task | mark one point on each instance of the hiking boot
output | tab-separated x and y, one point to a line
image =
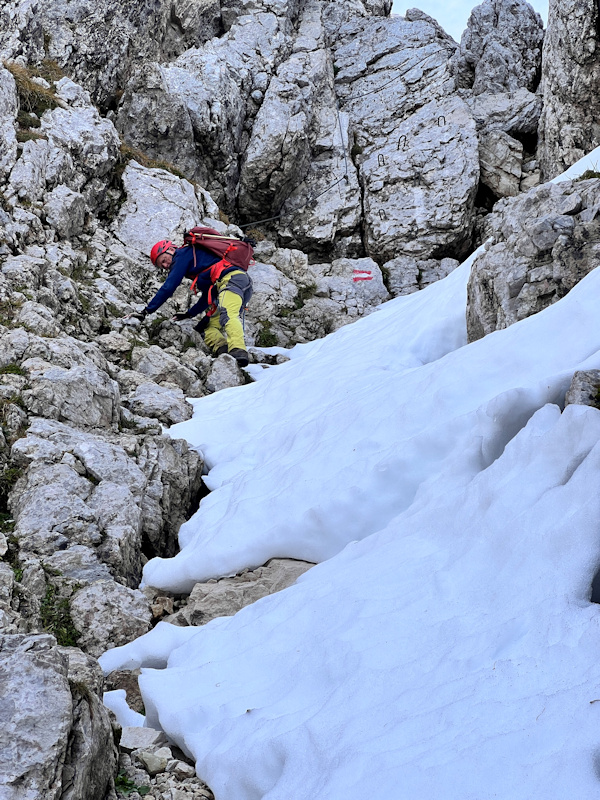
241	356
220	350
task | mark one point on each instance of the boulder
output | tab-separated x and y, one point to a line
407	275
38	319
90	140
65	211
500	159
159	206
109	615
163	367
167	404
515	112
419	189
225	597
92	755
224	374
82	395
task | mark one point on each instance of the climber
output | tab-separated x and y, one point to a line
225	291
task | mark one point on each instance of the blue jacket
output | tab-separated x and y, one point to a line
183	267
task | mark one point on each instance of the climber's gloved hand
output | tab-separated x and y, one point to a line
180	317
139	315
249	240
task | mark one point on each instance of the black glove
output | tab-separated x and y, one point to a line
249	240
141	315
179	317
201	326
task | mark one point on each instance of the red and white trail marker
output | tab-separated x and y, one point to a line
362	275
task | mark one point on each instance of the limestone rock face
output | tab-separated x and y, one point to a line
159	206
515	112
569	126
543	243
8	113
77	32
56	737
500	49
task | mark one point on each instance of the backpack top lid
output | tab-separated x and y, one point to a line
234	251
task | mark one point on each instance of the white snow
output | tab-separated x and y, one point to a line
126	717
446	648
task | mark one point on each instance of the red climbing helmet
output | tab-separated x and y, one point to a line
160	248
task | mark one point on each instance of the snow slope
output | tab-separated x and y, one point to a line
447	648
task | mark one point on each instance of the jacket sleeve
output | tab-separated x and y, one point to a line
176	275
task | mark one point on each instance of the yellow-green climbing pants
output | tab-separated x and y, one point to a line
225	326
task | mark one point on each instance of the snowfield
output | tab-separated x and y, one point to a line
446	647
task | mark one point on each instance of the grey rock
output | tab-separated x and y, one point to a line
56	738
515	112
38	319
500	158
584	388
151	30
140	738
159	206
227	596
90	140
109	615
8	113
569	125
153	763
162	367
28	176
78	564
37	712
224	374
500	51
65	211
419	201
82	395
174	473
407	275
92	756
542	244
167	404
